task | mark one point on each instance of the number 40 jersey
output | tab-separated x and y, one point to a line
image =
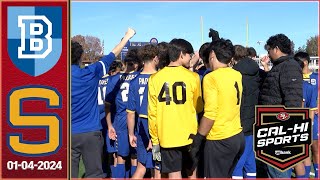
174	97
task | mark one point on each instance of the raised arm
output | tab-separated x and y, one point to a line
129	34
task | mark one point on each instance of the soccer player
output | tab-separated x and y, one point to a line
138	87
312	79
174	99
87	139
115	67
220	124
204	55
116	103
249	69
163	55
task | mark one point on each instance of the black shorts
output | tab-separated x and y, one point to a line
221	156
175	159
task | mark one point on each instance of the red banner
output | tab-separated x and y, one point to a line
34	89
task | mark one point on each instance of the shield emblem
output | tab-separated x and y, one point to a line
34	37
282	137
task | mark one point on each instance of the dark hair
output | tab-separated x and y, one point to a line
300	62
147	52
224	50
114	65
163	55
280	40
178	46
204	52
76	53
303	56
251	52
214	35
240	52
133	58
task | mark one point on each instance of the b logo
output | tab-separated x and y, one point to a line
34	38
35	29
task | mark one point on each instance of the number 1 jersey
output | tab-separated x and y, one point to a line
138	96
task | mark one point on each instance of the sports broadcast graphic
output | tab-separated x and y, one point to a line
34	72
282	136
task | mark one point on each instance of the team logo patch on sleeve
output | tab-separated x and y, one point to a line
34	37
282	137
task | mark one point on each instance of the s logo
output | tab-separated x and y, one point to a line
34	38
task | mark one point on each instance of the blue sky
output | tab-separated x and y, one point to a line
167	20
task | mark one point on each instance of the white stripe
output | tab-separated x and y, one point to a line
251	174
103	67
237	177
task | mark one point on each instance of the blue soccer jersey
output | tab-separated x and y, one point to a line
310	95
84	85
137	94
310	98
117	96
311	78
102	88
138	103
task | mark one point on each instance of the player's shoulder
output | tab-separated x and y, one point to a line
221	73
115	76
195	75
135	78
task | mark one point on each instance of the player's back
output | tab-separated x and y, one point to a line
117	95
138	100
222	91
311	78
177	94
310	95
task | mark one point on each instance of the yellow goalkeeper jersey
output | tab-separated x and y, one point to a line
222	92
174	99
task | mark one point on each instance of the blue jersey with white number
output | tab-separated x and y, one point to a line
102	88
138	87
84	92
117	96
311	78
137	94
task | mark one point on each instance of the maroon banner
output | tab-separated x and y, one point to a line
34	89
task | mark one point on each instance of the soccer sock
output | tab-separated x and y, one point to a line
315	166
301	176
120	171
133	170
127	172
308	170
113	171
290	171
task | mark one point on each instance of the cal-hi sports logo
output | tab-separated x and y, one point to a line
34	37
282	136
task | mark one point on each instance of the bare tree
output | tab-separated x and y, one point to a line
92	47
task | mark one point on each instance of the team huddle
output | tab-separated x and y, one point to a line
167	111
